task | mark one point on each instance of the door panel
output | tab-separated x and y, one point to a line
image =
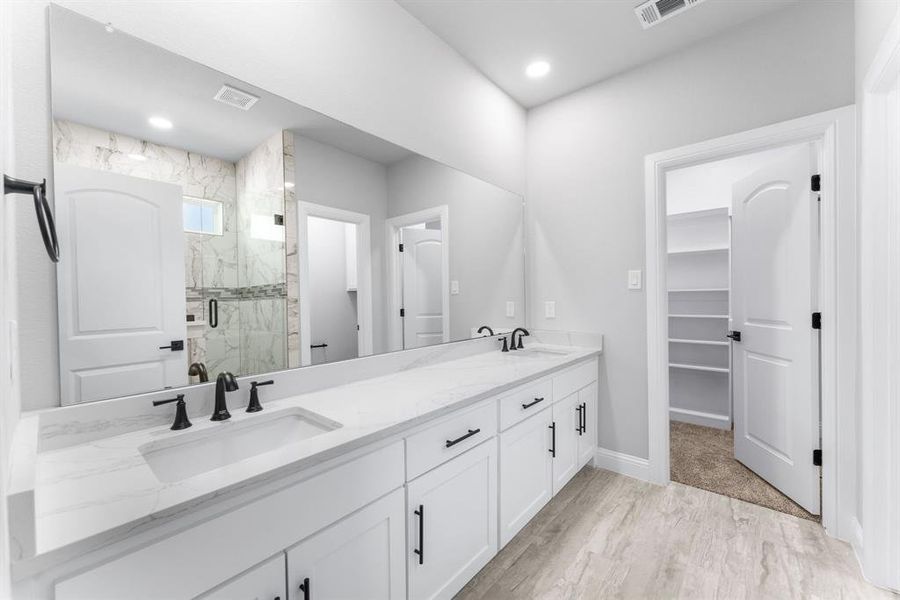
565	419
263	582
121	286
526	473
358	558
422	288
587	438
775	365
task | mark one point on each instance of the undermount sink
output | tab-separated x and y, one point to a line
192	453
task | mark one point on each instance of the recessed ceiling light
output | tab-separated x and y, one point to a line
289	184
538	68
139	157
109	28
160	122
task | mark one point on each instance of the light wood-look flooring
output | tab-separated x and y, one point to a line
608	536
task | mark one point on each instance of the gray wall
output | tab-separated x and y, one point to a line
485	237
332	177
585	168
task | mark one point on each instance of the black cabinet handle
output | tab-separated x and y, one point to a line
421	549
213	313
553	438
583	417
530	404
304	587
578	409
462	437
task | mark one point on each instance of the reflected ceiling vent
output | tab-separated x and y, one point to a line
654	12
235	97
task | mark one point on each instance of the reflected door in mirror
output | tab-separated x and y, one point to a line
121	287
422	287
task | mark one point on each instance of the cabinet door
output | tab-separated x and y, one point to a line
565	432
587	439
526	472
452	523
360	557
263	582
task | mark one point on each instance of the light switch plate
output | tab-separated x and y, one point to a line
634	280
550	309
454	287
510	308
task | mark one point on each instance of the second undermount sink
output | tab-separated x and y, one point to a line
192	453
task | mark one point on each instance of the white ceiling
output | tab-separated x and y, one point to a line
584	40
115	82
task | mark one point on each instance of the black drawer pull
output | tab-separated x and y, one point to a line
530	404
462	437
579	427
421	549
304	587
583	417
553	444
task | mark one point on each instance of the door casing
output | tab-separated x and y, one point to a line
835	130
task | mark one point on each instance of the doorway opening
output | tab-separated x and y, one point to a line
743	359
763	378
334	284
419	279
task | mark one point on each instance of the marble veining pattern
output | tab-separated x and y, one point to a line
94	493
292	253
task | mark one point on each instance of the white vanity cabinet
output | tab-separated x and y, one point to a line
359	558
452	523
526	472
263	582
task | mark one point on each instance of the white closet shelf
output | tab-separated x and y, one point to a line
671	316
694	251
698	368
697	290
698	342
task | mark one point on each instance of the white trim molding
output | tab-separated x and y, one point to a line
363	266
699	417
835	130
393	226
879	417
623	464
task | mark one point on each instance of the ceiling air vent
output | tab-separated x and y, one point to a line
235	97
654	12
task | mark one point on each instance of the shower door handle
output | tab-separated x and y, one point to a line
213	313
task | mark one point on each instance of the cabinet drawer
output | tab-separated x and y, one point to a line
439	443
263	582
525	401
570	381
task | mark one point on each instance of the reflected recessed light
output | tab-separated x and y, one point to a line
140	157
538	68
109	28
289	184
160	122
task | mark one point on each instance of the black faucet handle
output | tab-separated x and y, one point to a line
181	418
505	344
254	405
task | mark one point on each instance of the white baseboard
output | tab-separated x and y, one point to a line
697	417
624	464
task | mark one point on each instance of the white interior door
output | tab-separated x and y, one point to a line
121	284
423	323
775	364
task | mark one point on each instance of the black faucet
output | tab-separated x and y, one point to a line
254	405
198	369
520	346
485	327
505	344
225	382
181	418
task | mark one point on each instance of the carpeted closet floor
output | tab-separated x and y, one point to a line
703	457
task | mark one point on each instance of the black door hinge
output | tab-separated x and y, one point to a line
817	320
815	183
401	247
817	458
402	312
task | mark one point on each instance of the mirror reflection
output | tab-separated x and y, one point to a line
208	226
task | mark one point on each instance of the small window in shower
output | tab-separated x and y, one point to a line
202	216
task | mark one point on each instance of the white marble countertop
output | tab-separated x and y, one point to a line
100	492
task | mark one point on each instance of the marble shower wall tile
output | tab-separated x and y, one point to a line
263	344
291	250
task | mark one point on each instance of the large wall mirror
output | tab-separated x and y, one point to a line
206	225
